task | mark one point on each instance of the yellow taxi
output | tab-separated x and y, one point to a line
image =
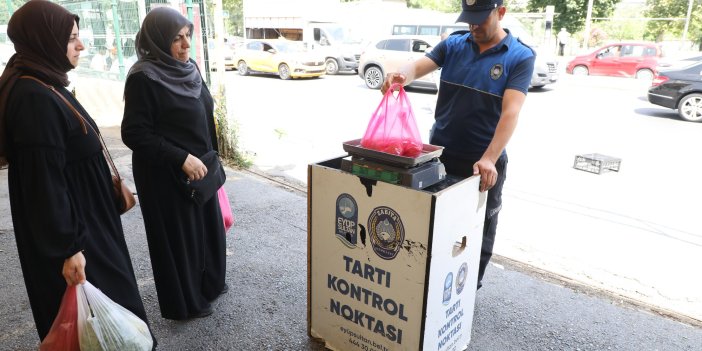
286	58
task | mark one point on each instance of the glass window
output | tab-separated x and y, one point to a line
649	51
633	50
428	30
398	45
401	29
419	46
380	45
256	45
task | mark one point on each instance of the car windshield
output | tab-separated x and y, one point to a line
289	47
341	35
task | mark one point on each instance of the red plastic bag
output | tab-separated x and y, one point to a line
392	128
227	214
63	335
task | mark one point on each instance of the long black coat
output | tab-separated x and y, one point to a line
62	202
187	242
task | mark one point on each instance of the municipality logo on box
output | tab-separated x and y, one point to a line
386	232
347	220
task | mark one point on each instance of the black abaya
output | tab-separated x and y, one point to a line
187	242
62	203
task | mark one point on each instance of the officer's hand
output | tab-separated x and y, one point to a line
488	173
391	79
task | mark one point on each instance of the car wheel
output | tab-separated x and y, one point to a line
644	74
242	68
373	77
284	71
690	108
580	71
332	66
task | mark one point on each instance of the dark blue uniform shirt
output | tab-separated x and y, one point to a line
472	85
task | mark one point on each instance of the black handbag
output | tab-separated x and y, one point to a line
201	191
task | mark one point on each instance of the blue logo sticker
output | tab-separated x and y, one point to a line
386	232
448	284
346	220
461	278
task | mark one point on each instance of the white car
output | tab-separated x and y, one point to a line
390	53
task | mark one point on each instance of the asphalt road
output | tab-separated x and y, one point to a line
634	232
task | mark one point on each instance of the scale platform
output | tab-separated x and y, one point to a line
418	177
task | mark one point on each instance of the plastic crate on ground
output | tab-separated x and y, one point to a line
596	163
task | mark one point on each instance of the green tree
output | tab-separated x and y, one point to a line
234	23
657	30
626	24
571	14
7	7
437	5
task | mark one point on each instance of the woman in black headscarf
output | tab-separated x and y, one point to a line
169	123
64	213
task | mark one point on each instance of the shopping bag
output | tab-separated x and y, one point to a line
105	325
392	128
225	207
63	335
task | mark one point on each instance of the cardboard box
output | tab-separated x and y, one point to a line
390	267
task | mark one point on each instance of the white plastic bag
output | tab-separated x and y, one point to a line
104	325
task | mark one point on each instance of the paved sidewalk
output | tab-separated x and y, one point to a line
265	309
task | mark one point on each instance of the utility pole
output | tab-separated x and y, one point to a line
687	22
549	25
588	19
218	38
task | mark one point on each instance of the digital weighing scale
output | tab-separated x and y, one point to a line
414	172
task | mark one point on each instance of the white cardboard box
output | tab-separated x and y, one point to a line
389	267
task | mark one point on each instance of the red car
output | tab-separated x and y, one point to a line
620	60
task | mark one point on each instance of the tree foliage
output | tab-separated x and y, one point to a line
437	5
571	14
234	23
658	29
8	7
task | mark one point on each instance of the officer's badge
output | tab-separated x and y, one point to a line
496	71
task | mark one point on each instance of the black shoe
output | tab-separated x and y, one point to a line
204	313
225	289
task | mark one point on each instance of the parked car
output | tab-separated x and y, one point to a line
636	59
228	59
545	64
286	58
678	62
679	89
390	53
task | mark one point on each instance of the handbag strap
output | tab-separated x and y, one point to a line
83	123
